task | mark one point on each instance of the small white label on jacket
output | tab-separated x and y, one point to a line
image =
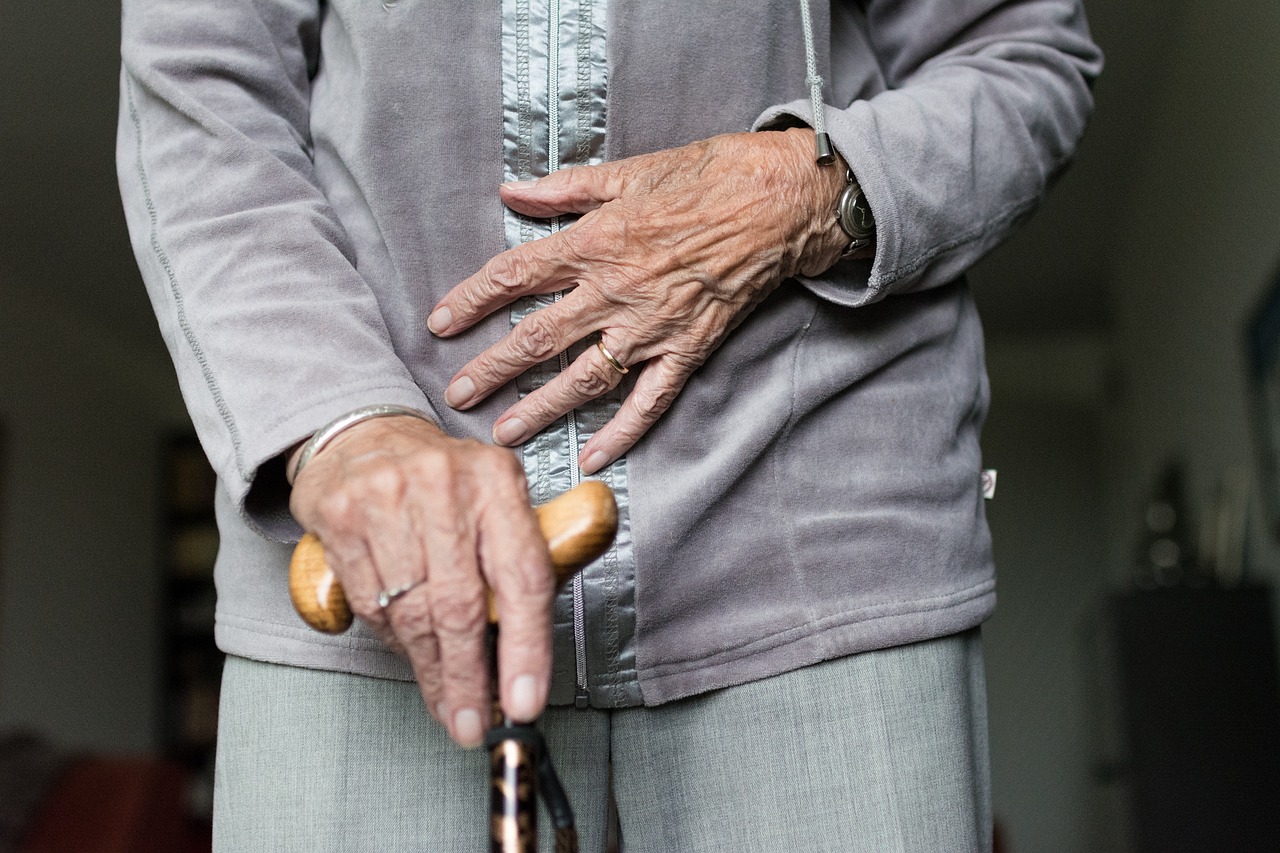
989	483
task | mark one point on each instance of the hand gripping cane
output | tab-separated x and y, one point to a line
579	526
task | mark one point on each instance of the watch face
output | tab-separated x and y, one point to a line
855	214
862	216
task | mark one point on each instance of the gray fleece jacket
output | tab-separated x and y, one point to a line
303	180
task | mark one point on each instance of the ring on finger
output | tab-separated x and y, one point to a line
387	596
611	358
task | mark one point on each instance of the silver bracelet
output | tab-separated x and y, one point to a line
330	431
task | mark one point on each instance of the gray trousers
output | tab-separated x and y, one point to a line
882	752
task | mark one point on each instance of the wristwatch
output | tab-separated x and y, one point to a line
855	216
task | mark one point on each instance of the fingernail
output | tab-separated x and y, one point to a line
524	698
460	392
509	431
440	320
520	185
466	727
595	462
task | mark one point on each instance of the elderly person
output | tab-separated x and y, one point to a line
486	249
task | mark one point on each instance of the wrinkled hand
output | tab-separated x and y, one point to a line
396	501
673	250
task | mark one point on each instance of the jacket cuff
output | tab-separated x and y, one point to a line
262	493
852	283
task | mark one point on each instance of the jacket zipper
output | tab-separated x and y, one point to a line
581	695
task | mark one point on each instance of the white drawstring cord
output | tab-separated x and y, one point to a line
826	154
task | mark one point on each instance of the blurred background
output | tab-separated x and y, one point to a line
1131	662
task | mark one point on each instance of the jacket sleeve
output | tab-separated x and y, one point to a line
985	101
271	328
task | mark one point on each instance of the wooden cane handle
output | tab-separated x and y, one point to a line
579	526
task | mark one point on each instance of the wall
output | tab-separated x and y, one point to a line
1044	437
85	391
78	570
1087	412
1201	239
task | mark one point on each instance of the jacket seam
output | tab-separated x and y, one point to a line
239	622
782	441
175	291
817	626
275	629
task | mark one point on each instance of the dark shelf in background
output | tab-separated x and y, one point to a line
1201	700
192	663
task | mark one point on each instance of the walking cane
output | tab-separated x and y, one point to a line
579	526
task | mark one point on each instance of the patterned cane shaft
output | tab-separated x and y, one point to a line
513	805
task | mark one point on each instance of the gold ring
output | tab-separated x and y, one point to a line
608	356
